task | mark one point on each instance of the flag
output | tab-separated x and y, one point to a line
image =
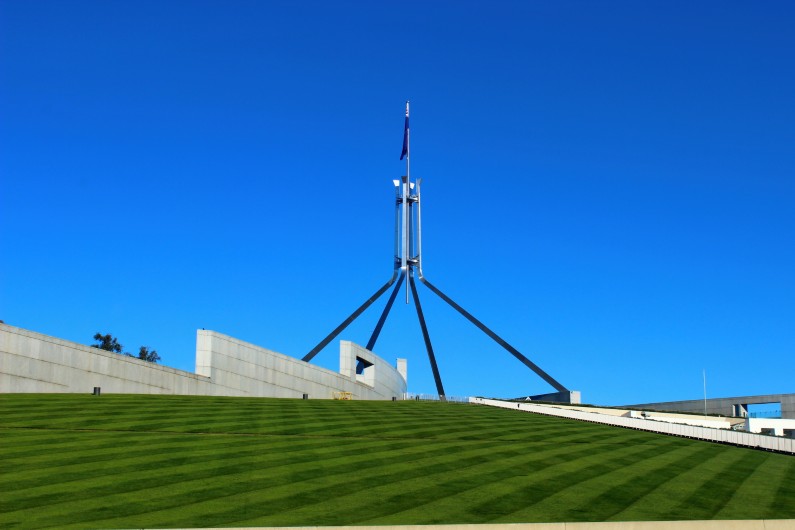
405	151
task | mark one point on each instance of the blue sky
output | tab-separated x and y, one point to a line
607	185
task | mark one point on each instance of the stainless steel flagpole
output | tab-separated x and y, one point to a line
406	211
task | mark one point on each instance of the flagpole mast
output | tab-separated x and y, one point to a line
407	263
408	143
406	209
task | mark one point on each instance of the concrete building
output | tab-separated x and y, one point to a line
31	362
730	406
771	426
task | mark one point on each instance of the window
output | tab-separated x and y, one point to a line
365	372
764	410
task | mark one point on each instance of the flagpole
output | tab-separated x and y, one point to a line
408	143
406	188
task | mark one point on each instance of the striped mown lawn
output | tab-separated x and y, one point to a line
177	461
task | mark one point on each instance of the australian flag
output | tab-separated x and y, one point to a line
405	151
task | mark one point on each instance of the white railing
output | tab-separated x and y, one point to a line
743	439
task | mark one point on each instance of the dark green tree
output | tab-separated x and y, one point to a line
107	343
146	355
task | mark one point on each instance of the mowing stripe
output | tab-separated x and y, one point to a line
684	479
785	496
719	488
210	459
601	497
138	476
244	479
760	488
534	490
476	496
425	486
175	461
286	488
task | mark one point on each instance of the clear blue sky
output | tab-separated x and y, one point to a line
608	185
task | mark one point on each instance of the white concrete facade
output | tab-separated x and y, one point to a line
238	368
31	362
775	426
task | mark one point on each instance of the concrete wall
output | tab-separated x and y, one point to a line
34	363
382	381
725	406
778	426
670	417
238	368
698	421
743	439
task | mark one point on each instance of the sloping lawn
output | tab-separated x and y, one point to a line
176	461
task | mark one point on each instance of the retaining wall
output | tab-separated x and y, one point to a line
744	439
31	362
238	368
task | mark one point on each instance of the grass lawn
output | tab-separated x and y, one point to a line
181	461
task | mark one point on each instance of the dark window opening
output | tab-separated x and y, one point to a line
365	371
361	365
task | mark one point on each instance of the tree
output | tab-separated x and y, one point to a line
146	355
107	343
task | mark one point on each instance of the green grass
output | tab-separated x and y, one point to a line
176	461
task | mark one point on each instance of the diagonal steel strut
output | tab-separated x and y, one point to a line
377	330
308	357
437	378
513	351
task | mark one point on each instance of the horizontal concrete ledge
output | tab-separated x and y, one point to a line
762	524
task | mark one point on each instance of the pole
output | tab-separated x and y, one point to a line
406	191
704	371
419	227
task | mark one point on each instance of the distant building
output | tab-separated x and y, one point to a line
731	406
